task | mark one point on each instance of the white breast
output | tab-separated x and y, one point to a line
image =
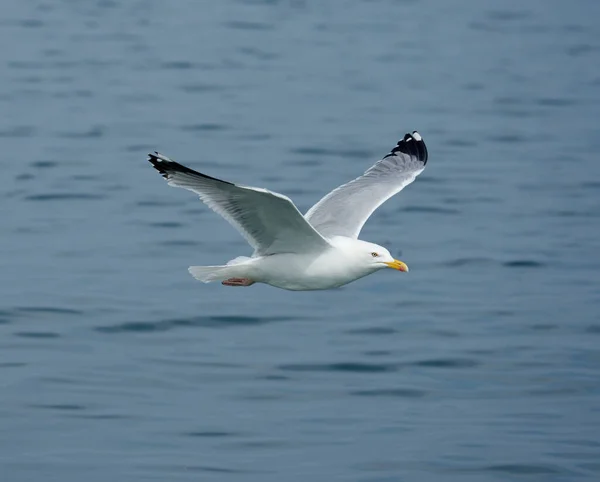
329	269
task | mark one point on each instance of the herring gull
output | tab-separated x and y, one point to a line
317	251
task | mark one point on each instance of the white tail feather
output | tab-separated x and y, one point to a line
208	274
232	269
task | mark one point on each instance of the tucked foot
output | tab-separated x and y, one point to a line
237	282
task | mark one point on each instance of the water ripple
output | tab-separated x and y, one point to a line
43	164
524	469
36	334
353	367
69	407
65	196
391	392
246	25
18	131
448	363
594	329
206	127
320	152
372	330
177	65
210	434
12	364
429	210
92	132
524	263
468	262
196	322
198	88
56	310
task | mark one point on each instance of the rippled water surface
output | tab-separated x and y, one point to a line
482	364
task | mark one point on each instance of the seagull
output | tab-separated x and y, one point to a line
317	251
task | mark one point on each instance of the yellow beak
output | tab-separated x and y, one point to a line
399	265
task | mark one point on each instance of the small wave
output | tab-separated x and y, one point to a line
165	224
468	262
43	164
60	406
18	131
258	54
212	469
355	367
180	242
447	363
305	163
523	263
391	392
177	65
142	148
156	202
200	88
313	151
198	322
24	177
210	434
65	196
507	138
581	49
101	416
461	142
523	469
508	15
12	364
6	317
189	469
372	330
245	25
554	102
37	334
326	152
92	132
208	127
49	310
429	209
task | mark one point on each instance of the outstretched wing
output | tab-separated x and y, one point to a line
269	221
344	211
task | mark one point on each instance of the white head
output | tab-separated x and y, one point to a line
370	256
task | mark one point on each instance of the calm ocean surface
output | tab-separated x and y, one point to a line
481	364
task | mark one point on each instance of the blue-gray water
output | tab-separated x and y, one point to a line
481	364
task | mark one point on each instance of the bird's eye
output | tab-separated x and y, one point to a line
375	255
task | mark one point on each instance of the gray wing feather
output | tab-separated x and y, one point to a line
344	211
269	221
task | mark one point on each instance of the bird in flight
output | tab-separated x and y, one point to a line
317	251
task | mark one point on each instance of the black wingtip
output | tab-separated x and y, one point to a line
161	164
168	168
412	145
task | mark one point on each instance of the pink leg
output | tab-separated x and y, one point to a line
237	282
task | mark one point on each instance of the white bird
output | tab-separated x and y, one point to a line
317	251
